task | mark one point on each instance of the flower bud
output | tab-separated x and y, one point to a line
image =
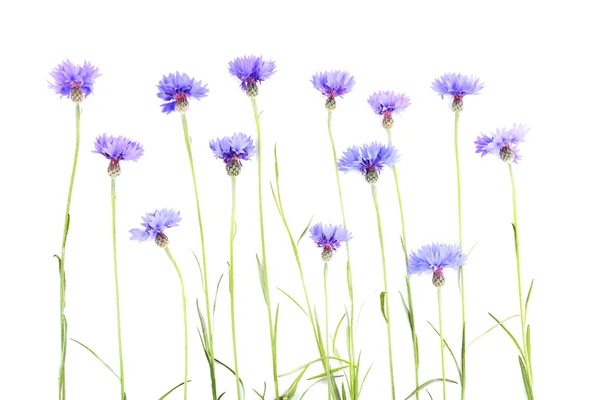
507	154
327	253
233	167
330	103
161	240
438	279
114	169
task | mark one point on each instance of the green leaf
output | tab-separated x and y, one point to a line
310	387
221	395
67	224
216	295
169	392
526	383
382	300
449	350
509	334
291	391
408	313
337	329
489	330
304	231
261	277
364	379
527	299
276	161
200	269
274	344
59	263
233	372
275	199
97	357
343	392
324	374
262	396
528	341
295	302
424	385
430	396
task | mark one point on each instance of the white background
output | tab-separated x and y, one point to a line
538	62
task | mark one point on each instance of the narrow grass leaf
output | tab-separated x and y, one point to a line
97	357
170	391
491	329
509	334
304	231
449	350
295	302
382	300
424	385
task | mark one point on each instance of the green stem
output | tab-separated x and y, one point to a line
522	314
113	197
210	349
62	393
185	325
353	372
385	288
329	386
263	250
442	347
407	277
461	272
232	288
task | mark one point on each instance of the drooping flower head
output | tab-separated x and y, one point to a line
176	88
74	81
434	258
233	149
387	103
368	159
251	70
116	149
332	84
154	225
329	237
504	143
457	86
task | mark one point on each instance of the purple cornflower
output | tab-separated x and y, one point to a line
329	237
457	86
434	258
503	143
175	90
251	70
154	224
116	149
386	103
233	149
369	159
332	84
74	81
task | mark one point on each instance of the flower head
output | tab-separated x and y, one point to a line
175	90
329	237
504	143
332	84
74	81
251	70
434	258
368	159
154	224
386	103
116	149
458	86
233	149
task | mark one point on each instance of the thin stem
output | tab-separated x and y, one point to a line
385	288
272	332
442	347
407	276
329	386
113	197
62	393
353	378
210	349
185	325
232	288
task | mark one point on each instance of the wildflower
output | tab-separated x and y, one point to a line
434	258
386	103
329	237
504	143
332	84
74	81
116	149
251	70
458	86
176	88
154	224
233	149
368	159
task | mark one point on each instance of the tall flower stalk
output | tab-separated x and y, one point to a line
232	150
116	149
251	71
458	86
74	82
386	104
175	90
154	225
370	160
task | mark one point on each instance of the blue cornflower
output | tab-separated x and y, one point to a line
386	103
251	70
332	84
369	159
503	143
116	149
233	149
74	81
329	237
175	90
434	258
154	224
457	86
